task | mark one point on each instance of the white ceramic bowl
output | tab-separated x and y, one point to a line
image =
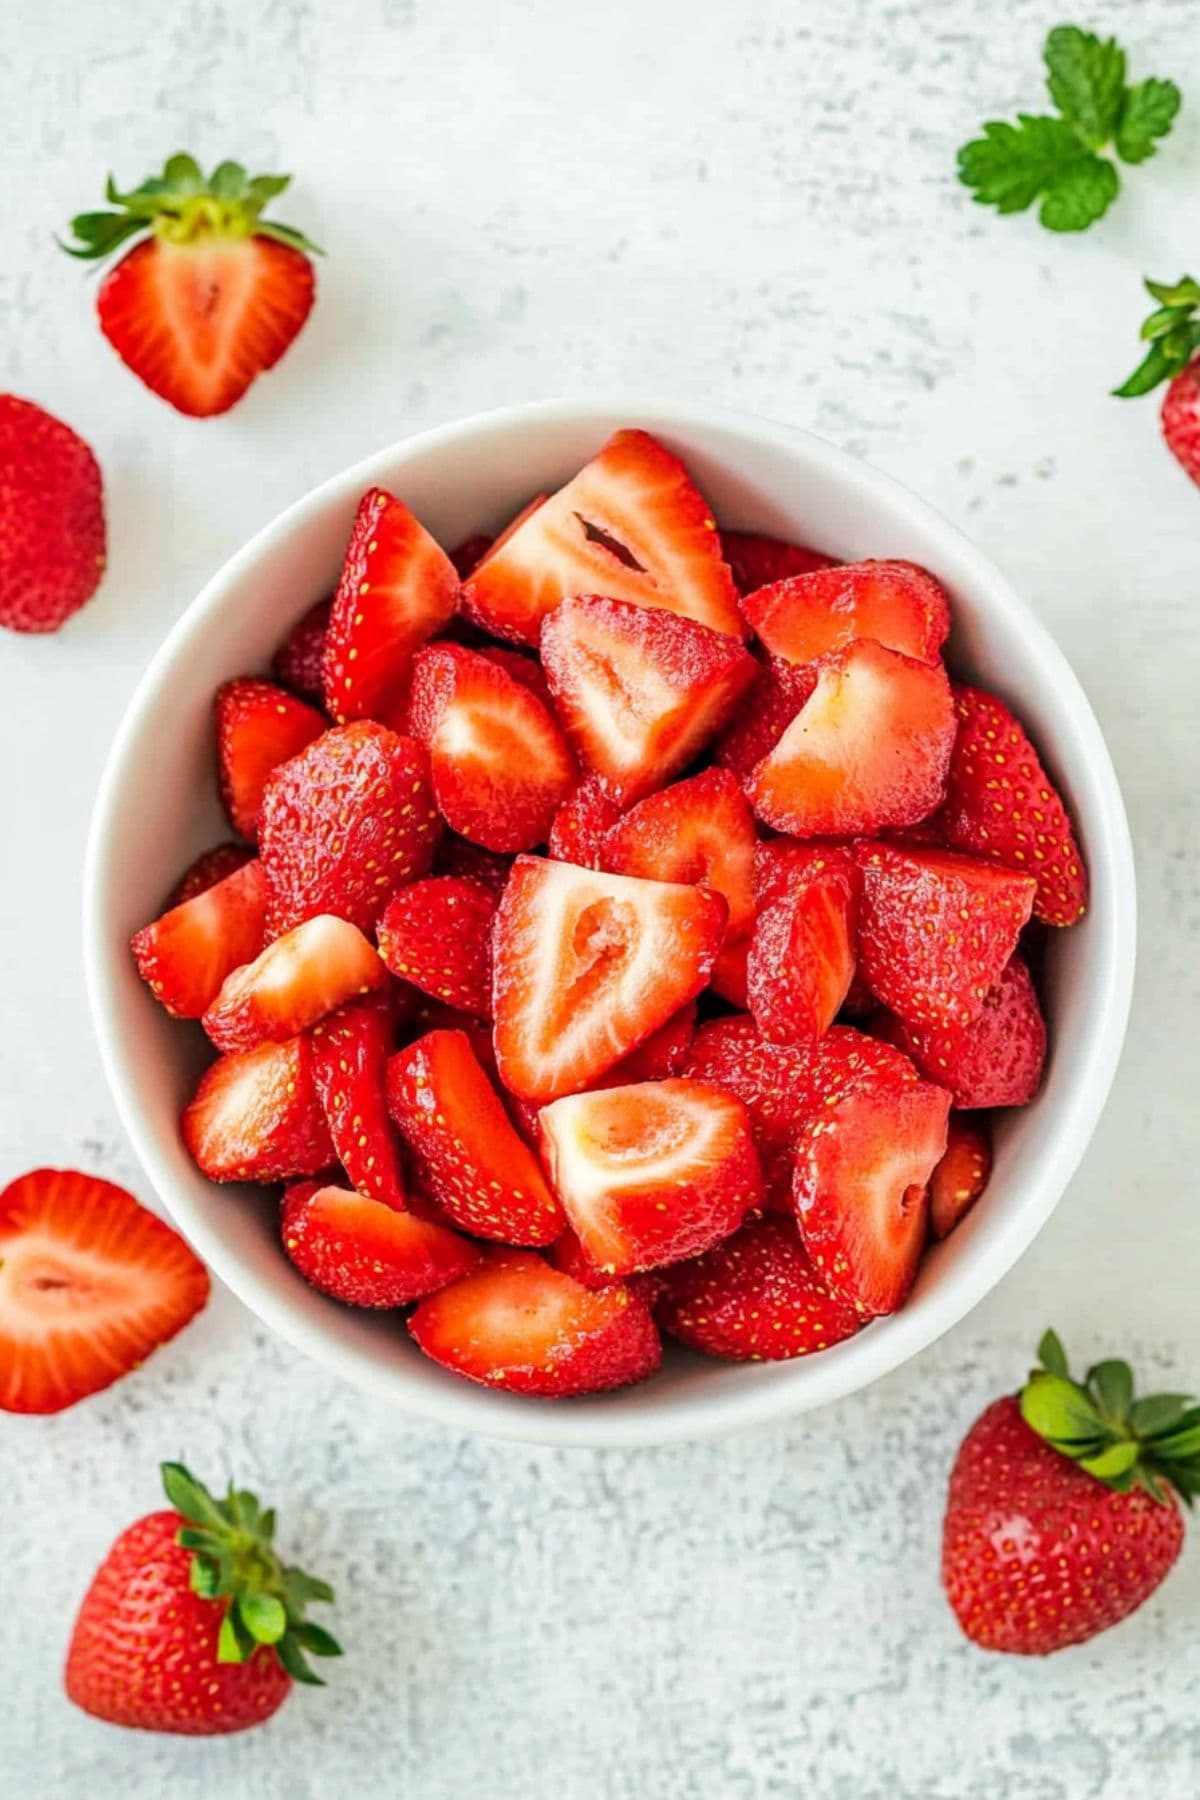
157	808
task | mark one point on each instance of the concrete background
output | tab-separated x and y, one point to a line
755	203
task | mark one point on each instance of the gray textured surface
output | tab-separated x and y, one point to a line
753	203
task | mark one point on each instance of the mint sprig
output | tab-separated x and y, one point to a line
1057	160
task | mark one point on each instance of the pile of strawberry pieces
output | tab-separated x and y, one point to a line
585	972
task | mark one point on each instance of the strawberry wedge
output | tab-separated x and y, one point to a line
185	956
257	1116
777	1084
631	524
581	824
437	934
293	983
803	946
365	1254
776	695
586	966
259	726
350	1050
700	832
997	1060
961	1175
809	615
755	561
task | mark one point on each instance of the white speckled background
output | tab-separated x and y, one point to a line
754	202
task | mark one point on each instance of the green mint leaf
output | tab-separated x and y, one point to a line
1111	1383
1086	79
1148	112
1011	165
1052	1356
1079	195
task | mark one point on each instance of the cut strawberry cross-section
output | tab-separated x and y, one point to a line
587	965
699	831
639	692
257	1116
364	1253
631	524
90	1284
755	1298
397	587
259	726
521	1325
775	1082
654	1172
501	766
350	1051
996	1060
294	982
936	929
778	692
808	615
467	1151
864	1156
803	946
756	561
869	748
186	955
438	935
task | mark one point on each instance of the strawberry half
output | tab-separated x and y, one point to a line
259	726
501	766
200	309
778	692
344	824
587	966
730	979
809	615
756	561
653	1172
581	824
299	662
350	1050
521	1325
639	692
90	1284
365	1254
869	748
997	1060
755	1298
257	1116
294	982
186	955
802	952
396	589
936	930
437	934
864	1156
700	832
775	1082
52	530
209	867
962	1174
631	524
1000	803
468	1153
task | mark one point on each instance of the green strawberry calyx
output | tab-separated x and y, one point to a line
182	206
1151	1443
234	1562
1172	332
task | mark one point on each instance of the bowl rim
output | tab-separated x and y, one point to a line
827	1378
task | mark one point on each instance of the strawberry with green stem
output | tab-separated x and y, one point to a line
1172	332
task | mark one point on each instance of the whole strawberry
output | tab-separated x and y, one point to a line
51	519
1062	1516
214	295
1173	333
192	1624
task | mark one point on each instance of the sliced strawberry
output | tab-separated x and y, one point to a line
515	523
775	1083
581	824
438	935
640	692
467	555
90	1284
699	831
962	1174
755	1298
501	766
350	1050
187	954
632	525
299	662
422	1015
864	1155
259	726
936	930
292	983
519	1324
365	1254
587	966
523	668
896	604
731	973
344	824
803	946
756	561
869	748
459	857
997	1060
209	867
653	1172
397	587
1000	803
467	1151
257	1116
778	692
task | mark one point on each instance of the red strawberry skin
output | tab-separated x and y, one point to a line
995	1061
299	662
775	1082
209	867
90	1284
259	726
756	561
257	1116
367	1254
437	934
582	823
1036	1553
1001	804
52	533
778	692
700	832
350	1050
185	956
144	1649
1181	419
961	1176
